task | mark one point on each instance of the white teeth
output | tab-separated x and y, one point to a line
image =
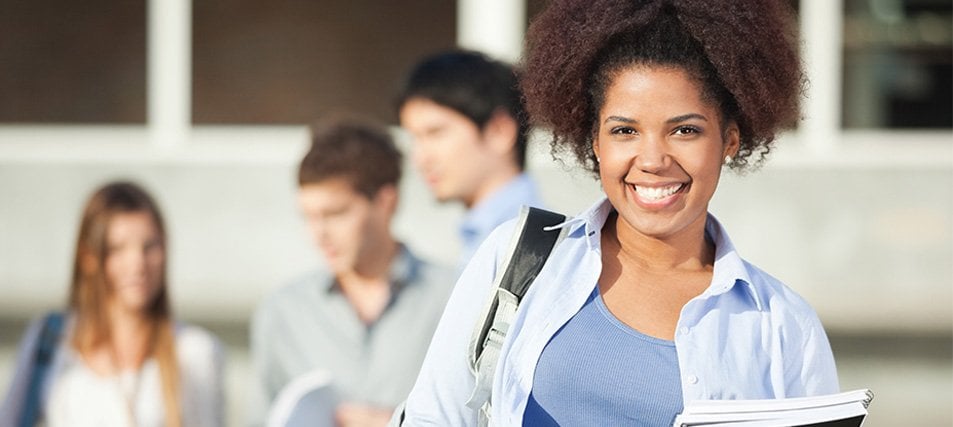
657	193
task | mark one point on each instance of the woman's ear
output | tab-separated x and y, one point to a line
732	140
594	134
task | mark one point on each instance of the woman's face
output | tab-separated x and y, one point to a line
135	260
660	149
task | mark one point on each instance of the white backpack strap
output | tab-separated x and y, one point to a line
485	366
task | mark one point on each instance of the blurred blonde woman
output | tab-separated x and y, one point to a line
120	359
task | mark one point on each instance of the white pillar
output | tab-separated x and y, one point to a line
494	27
169	76
822	23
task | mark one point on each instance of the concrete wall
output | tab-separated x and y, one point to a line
870	246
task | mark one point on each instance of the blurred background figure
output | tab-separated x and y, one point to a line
119	358
469	129
368	317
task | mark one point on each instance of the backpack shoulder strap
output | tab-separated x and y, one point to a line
532	248
42	359
532	245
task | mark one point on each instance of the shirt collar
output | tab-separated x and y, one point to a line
403	271
729	269
589	222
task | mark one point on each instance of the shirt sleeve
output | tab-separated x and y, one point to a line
445	382
817	372
20	384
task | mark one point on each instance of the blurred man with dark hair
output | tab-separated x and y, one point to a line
469	129
367	319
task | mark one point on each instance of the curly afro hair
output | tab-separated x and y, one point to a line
742	52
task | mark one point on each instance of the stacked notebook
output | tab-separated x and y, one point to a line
848	409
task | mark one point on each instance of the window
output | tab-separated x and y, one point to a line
287	62
72	61
897	64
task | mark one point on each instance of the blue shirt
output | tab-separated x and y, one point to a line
747	336
494	210
598	371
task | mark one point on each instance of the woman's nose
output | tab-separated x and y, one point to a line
652	155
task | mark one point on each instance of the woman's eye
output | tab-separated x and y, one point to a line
687	130
622	130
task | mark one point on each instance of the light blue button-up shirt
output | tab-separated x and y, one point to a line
747	336
503	204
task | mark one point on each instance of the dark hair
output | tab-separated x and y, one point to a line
473	85
353	148
742	52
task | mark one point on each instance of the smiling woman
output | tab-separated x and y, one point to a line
660	148
645	304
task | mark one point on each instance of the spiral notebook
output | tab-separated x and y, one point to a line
847	409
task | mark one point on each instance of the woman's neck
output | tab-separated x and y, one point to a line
131	334
685	251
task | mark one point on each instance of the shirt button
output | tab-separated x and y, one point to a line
684	330
692	379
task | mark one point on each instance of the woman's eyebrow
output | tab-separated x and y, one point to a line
676	119
620	119
685	117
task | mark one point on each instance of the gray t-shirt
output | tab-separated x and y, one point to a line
309	325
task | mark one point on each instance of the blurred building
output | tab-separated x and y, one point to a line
207	103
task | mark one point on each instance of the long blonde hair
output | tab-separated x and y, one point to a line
89	289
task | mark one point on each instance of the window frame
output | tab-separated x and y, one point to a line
170	136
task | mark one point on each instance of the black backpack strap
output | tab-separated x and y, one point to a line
529	251
532	249
533	244
42	360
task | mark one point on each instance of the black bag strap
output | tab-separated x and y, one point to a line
533	247
42	359
529	253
